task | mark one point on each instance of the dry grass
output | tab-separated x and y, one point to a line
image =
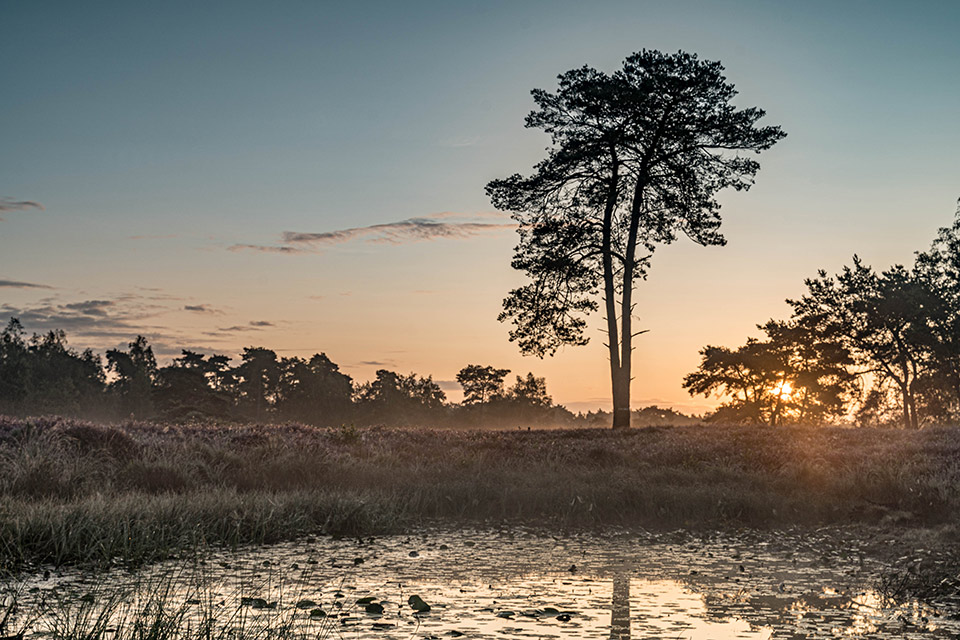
73	491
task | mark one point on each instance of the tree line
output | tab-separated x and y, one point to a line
871	347
43	374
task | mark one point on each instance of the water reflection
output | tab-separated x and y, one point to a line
620	608
483	585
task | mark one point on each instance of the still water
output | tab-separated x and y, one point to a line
512	584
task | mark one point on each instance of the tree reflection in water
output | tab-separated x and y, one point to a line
620	608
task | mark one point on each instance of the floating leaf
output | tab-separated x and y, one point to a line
374	607
318	613
417	603
366	600
306	604
256	603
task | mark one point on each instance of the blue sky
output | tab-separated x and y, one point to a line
158	136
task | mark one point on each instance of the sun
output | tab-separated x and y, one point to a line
783	390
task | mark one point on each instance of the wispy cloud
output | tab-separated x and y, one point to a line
14	284
201	308
87	318
432	227
9	204
253	325
109	321
266	248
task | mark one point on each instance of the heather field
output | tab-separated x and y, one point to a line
76	492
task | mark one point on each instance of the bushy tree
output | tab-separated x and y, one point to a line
257	378
481	384
793	376
313	390
530	390
186	388
394	398
134	374
880	319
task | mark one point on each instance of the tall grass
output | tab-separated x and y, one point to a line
174	605
72	491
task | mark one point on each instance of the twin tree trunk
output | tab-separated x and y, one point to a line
620	338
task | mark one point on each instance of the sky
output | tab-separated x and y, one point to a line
309	176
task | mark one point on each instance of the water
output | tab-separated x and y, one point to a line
483	584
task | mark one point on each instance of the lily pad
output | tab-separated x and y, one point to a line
417	604
374	608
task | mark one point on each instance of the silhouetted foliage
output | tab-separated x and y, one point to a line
134	374
861	344
43	375
188	388
314	391
257	380
399	399
481	384
531	391
637	158
792	377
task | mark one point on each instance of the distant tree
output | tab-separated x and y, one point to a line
423	391
938	271
637	158
313	391
257	379
185	388
134	374
881	319
794	376
744	374
481	384
13	368
399	399
530	391
815	366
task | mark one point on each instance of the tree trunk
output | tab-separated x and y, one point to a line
905	394
914	419
621	398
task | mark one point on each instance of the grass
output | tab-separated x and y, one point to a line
170	606
72	491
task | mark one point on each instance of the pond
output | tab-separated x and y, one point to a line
498	584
